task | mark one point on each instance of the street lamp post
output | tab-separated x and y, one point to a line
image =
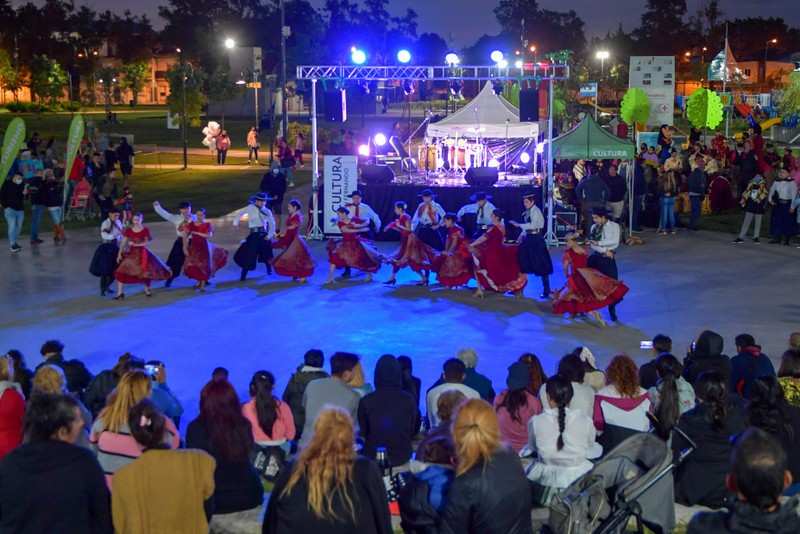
766	49
284	108
602	55
184	133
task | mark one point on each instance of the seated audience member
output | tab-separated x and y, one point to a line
748	364
706	355
12	408
163	490
700	478
329	488
78	377
424	496
358	381
270	418
111	437
22	374
563	440
332	391
789	376
672	397
794	341
296	388
413	385
571	367
48	484
50	380
222	431
515	406
166	401
446	407
648	375
621	408
104	383
386	417
452	379
769	411
537	376
219	373
490	493
592	376
758	476
473	378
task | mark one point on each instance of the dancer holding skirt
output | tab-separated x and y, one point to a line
295	260
351	251
454	266
203	258
496	263
137	265
413	252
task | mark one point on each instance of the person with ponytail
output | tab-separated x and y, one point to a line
270	417
516	405
672	396
769	411
700	478
489	494
163	490
564	440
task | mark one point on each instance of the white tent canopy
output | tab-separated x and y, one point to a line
488	116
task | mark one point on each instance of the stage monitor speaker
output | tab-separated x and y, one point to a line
377	174
481	176
336	105
529	105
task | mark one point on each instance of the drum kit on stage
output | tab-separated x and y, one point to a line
451	155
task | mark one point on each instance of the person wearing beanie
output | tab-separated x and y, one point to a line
748	364
515	406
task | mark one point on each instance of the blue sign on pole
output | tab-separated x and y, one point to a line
588	89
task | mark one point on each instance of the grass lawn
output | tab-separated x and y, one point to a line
170	158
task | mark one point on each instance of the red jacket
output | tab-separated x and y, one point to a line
12	409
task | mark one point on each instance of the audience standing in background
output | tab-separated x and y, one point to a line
312	369
387	416
162	490
48	484
698	183
789	376
50	380
222	143
700	478
252	145
748	364
706	355
299	148
648	372
757	477
332	391
12	200
78	377
490	493
22	374
12	408
769	411
329	489
515	406
104	383
222	431
672	396
754	202
125	157
270	418
453	379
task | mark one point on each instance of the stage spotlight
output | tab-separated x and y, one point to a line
525	158
494	163
358	56
452	59
408	87
518	63
230	43
496	56
403	56
363	150
503	63
380	139
540	148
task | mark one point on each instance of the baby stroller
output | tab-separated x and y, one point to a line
633	480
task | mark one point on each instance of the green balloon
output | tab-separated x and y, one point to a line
635	107
704	109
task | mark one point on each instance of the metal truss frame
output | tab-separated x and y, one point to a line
528	72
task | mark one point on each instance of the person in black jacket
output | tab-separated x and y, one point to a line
706	355
311	369
648	372
490	493
105	382
48	484
769	411
273	183
22	374
386	416
617	189
413	385
700	478
78	376
12	200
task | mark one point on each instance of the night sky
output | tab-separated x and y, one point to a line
461	22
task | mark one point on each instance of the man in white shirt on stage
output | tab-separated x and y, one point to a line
257	248
428	219
604	238
362	211
179	220
481	208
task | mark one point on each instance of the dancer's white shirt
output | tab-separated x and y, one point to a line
609	238
365	213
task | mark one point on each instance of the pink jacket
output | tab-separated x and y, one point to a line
282	429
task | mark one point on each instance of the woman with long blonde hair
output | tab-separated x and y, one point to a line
111	437
490	493
50	380
329	489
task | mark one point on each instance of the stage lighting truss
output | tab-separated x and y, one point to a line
531	72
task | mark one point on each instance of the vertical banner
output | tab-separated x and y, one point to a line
340	178
656	76
12	142
74	137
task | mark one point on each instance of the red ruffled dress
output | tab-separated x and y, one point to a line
352	251
204	258
587	289
497	265
454	266
412	252
139	265
295	260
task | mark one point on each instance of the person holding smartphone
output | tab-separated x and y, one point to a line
162	396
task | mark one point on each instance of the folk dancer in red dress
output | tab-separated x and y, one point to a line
257	247
412	252
587	290
203	258
454	266
351	251
137	265
180	221
496	263
295	260
362	211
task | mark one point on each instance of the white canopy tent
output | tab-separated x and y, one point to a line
488	116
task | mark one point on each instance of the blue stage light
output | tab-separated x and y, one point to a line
358	56
403	56
380	139
452	59
496	56
525	158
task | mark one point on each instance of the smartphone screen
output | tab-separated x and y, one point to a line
646	345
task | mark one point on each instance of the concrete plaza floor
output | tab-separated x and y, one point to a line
680	285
